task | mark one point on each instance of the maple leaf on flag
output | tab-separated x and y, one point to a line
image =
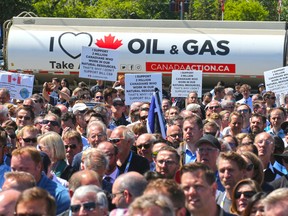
109	42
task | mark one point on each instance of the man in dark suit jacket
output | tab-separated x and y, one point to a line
127	160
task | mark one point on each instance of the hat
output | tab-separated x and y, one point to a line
284	125
260	85
118	102
79	107
208	138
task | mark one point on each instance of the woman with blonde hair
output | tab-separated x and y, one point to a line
51	143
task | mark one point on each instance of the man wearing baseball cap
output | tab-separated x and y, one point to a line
207	151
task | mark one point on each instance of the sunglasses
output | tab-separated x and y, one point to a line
250	167
72	146
243	111
247	194
145	146
175	135
114	140
27	214
273	98
28	140
89	206
99	97
214	107
26	118
143	117
167	162
53	123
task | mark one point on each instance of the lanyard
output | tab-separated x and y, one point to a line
223	201
128	163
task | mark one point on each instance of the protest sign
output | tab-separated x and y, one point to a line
140	87
98	64
184	82
19	85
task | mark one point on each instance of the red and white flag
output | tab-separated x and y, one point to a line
14	79
222	5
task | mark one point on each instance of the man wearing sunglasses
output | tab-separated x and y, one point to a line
127	160
89	200
24	116
51	122
144	148
27	136
73	144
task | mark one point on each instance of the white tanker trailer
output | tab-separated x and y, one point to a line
228	51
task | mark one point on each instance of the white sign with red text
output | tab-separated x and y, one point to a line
98	64
184	82
140	87
19	85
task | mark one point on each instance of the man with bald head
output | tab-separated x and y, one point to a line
111	151
8	201
174	135
83	177
144	147
125	191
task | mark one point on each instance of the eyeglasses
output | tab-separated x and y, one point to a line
143	117
26	118
114	140
145	146
247	143
113	195
208	150
72	146
175	135
265	142
167	162
213	107
37	101
53	123
16	214
89	206
250	167
247	194
243	111
33	140
99	97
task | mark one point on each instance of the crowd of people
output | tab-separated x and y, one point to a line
83	151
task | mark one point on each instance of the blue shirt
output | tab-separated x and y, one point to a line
280	133
189	156
3	169
59	192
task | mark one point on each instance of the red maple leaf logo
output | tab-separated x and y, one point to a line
109	42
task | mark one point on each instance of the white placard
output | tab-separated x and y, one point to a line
276	80
184	82
140	87
19	85
98	64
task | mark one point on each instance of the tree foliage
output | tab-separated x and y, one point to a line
245	10
204	10
10	8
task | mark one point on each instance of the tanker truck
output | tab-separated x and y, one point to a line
223	50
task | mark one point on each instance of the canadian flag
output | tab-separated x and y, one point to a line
14	79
